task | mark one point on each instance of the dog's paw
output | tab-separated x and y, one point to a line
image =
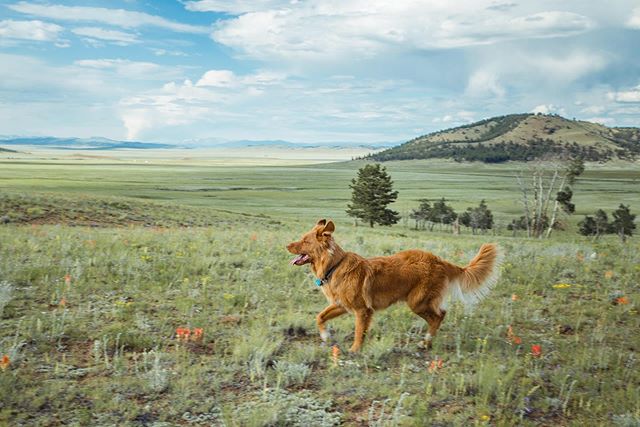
325	336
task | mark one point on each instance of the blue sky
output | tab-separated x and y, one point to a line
310	70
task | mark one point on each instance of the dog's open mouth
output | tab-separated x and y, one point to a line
301	259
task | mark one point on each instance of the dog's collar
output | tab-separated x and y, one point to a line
327	276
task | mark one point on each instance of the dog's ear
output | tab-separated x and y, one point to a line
328	229
321	223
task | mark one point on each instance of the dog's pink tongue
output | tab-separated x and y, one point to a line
300	258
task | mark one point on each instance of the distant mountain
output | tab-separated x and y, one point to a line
93	143
521	137
99	143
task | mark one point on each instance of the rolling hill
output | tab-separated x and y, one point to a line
521	137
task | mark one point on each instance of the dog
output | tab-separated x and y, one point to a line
362	286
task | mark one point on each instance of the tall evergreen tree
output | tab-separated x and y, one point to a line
623	222
372	192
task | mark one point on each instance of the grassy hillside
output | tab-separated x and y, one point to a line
112	211
521	137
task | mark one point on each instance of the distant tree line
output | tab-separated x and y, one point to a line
501	152
372	192
427	215
623	223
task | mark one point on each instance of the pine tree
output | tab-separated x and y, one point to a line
623	222
372	192
588	226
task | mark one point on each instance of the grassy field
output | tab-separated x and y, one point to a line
94	315
308	191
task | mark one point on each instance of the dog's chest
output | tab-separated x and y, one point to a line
334	296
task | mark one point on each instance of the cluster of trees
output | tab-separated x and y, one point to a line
623	223
428	215
545	194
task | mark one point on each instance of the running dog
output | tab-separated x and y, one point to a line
363	286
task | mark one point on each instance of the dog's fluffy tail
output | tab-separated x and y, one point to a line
473	282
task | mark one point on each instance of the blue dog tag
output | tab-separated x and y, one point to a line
318	282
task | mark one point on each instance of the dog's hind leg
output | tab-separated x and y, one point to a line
363	321
331	312
434	319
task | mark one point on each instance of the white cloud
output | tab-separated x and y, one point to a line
593	109
118	17
632	95
117	37
549	109
29	30
634	20
130	69
456	118
568	67
236	7
339	28
217	78
607	121
165	52
227	101
484	83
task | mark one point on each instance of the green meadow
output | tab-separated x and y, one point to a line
309	191
104	266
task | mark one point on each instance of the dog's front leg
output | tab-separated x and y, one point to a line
333	311
363	321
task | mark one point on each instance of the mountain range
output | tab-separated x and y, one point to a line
99	143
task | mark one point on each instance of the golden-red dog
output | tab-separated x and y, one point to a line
362	286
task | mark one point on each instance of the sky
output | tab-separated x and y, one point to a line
310	70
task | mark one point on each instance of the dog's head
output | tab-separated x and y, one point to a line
314	245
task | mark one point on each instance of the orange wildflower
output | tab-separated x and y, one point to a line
63	302
536	350
197	334
513	337
183	333
5	362
335	354
608	274
435	365
67	279
514	297
254	237
622	300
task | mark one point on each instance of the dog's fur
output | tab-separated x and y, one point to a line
362	286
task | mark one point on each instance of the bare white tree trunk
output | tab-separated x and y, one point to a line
556	206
